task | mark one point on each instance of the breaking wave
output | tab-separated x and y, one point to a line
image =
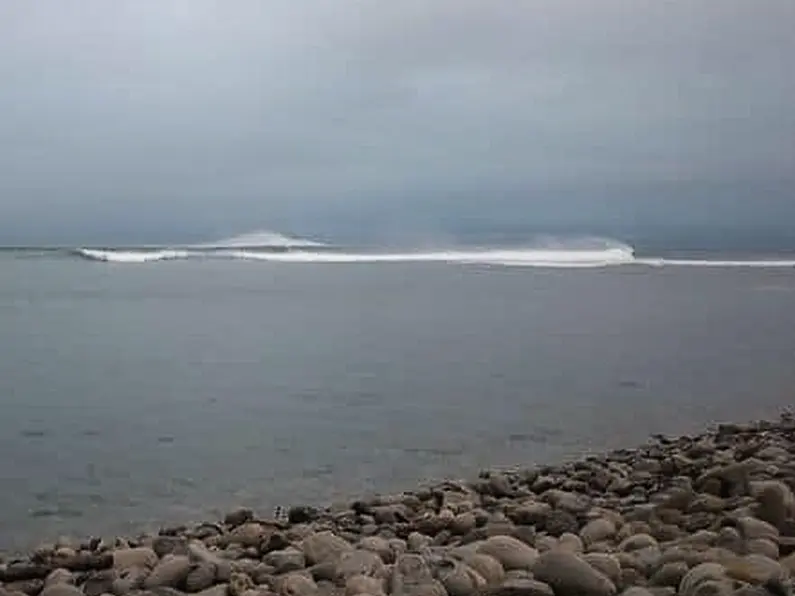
260	239
131	256
578	253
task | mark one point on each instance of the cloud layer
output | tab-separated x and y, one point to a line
197	118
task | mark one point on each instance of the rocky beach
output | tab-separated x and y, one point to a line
705	515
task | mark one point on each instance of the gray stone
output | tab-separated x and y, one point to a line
170	572
522	587
361	584
284	561
510	552
605	563
598	530
570	575
60	589
670	574
324	546
296	584
699	574
488	567
200	577
238	517
461	580
129	558
59	576
377	544
359	562
240	583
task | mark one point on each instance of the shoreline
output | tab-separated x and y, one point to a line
706	514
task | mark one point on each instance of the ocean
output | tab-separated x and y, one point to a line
164	385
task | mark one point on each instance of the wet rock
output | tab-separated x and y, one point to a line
510	552
168	545
324	546
238	517
569	575
302	514
170	572
284	561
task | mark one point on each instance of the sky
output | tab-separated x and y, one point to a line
147	120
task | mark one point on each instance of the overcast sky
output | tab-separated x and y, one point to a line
148	119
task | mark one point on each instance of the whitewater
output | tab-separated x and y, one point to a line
546	253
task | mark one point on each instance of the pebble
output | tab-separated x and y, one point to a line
711	514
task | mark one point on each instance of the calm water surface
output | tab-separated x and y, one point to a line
137	394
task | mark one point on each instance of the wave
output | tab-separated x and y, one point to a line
516	257
131	256
717	263
260	239
578	253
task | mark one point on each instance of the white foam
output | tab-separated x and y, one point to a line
123	256
757	264
577	253
522	258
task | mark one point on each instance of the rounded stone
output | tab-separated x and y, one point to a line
510	552
605	563
170	572
522	587
131	558
700	574
598	530
488	567
570	575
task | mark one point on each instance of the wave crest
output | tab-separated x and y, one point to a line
260	239
131	256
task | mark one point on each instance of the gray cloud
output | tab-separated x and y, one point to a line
196	117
